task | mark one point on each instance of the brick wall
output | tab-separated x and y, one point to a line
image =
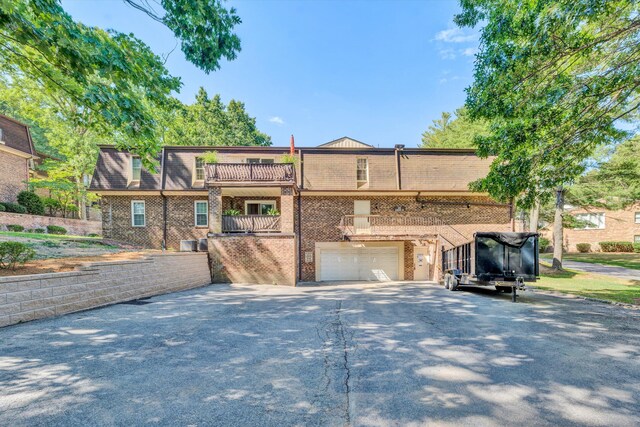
181	220
14	174
620	226
264	259
321	217
24	298
74	227
116	220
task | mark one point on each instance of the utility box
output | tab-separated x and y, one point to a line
203	245
188	245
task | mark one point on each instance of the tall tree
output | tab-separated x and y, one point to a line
114	77
457	133
209	121
554	77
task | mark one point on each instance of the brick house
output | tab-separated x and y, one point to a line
343	211
606	225
16	158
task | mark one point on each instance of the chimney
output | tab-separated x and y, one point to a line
292	148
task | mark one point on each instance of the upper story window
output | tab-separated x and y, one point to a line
362	172
201	211
593	220
138	218
257	160
136	168
637	217
199	169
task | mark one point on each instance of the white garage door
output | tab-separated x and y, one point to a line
379	264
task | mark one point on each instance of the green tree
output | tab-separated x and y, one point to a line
209	121
457	133
554	78
114	78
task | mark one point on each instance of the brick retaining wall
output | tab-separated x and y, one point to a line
74	227
36	296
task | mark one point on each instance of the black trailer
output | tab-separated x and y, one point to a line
503	260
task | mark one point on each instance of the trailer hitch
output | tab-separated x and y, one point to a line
518	284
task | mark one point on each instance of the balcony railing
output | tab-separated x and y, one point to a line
250	172
250	223
353	226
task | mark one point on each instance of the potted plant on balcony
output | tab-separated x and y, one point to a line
231	212
273	212
288	159
209	157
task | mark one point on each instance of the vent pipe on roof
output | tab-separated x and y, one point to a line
292	147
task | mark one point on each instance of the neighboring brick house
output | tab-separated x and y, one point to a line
620	225
343	211
16	158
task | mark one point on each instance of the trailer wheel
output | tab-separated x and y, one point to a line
447	279
505	289
450	282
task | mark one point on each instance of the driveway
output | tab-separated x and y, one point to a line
353	354
606	270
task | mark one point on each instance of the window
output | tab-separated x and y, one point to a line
636	238
136	168
255	160
137	213
362	172
258	207
1	135
637	217
199	169
593	220
201	208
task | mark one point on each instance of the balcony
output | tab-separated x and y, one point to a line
250	223
380	227
247	173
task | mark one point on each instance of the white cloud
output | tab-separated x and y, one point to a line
470	51
454	35
277	120
447	53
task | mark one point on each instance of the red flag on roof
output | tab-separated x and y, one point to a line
293	147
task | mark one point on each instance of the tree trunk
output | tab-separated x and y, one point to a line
534	217
558	236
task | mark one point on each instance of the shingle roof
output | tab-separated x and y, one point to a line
16	135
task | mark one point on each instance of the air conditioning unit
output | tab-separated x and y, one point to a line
188	245
203	245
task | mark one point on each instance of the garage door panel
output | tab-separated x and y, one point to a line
364	263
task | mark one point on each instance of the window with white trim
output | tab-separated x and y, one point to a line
593	221
362	172
637	217
138	218
136	168
256	160
201	212
199	169
259	207
636	238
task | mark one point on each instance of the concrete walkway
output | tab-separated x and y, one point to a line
359	354
605	270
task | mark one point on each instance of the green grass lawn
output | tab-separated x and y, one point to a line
617	259
589	285
43	236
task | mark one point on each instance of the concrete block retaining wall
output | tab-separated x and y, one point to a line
74	227
30	297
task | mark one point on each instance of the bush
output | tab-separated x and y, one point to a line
543	244
56	229
52	204
616	246
93	235
38	230
583	247
14	227
32	202
2	208
15	208
209	157
14	253
636	248
231	212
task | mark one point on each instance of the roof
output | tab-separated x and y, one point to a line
16	135
345	142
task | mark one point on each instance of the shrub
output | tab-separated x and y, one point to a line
52	204
14	253
93	235
616	246
209	157
15	208
288	158
32	202
231	212
56	229
543	244
14	227
583	247
2	208
273	212
636	248
38	230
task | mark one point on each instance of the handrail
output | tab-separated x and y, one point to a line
250	223
250	172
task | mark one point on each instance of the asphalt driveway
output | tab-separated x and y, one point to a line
355	354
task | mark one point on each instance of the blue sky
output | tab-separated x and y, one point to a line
377	71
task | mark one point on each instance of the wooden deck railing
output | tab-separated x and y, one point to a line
250	172
250	223
381	225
